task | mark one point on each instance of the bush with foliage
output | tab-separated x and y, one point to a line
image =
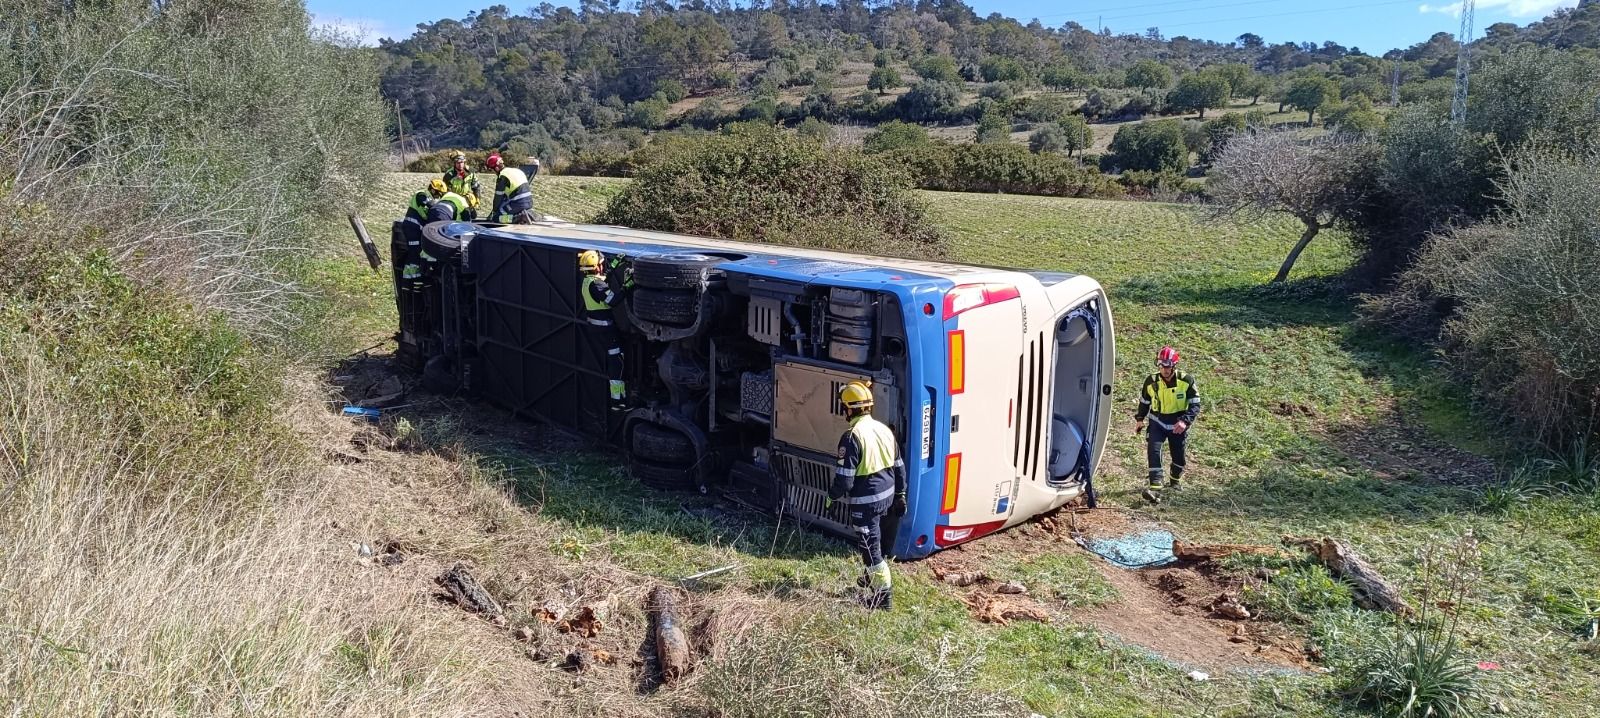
939	68
1311	94
814	130
1523	293
884	79
1002	69
1008	168
1218	131
1353	116
894	135
931	101
993	127
1048	137
759	184
1156	146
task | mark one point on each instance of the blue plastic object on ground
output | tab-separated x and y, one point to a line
353	411
1138	550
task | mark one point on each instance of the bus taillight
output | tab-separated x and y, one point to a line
952	483
951	535
972	296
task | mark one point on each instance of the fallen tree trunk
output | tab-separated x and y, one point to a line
1372	591
467	592
672	647
1205	552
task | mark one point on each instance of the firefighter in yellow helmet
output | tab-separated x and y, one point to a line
871	480
463	182
447	206
598	299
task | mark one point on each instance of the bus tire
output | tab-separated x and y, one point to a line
660	444
672	271
673	307
662	477
438	244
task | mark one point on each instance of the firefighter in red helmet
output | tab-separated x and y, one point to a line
1170	400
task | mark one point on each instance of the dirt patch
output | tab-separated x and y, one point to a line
1393	450
1181	613
1185	613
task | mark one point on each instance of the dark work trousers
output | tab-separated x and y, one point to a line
1155	435
867	522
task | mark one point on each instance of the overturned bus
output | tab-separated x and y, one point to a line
996	382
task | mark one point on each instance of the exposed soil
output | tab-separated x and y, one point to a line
1172	611
1178	612
1396	451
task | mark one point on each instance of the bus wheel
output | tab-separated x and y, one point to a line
673	307
662	477
673	271
660	444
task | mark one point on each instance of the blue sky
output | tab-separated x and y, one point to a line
1373	25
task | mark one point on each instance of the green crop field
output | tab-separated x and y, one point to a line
1312	426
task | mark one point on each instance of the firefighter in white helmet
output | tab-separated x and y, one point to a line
598	299
871	480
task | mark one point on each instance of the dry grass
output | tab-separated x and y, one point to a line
128	590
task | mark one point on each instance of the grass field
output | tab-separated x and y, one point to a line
1312	426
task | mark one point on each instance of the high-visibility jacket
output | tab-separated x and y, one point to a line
464	184
1168	403
869	470
417	210
597	300
450	207
512	195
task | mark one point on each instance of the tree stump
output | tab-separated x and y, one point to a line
1372	591
666	625
467	592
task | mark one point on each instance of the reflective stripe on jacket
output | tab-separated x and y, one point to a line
465	185
512	194
597	300
869	469
1169	403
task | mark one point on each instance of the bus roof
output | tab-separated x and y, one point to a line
777	258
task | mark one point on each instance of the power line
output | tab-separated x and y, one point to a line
1286	14
1198	9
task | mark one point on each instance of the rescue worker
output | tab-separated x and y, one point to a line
411	229
462	181
1171	401
447	206
871	480
513	195
598	299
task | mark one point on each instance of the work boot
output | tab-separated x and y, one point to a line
1151	496
863	581
880	600
1172	483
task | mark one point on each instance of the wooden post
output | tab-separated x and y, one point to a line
400	127
672	648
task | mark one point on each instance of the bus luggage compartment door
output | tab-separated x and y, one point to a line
538	356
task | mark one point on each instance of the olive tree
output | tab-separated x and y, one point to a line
1321	181
1199	91
1311	94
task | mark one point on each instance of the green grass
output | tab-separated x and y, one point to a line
1297	401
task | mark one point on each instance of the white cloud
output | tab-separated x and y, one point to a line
364	30
1513	8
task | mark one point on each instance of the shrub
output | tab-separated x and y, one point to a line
930	101
441	160
814	130
999	168
884	79
939	68
788	191
895	135
1515	285
1218	131
1048	138
993	127
649	113
1154	146
1001	69
998	91
672	90
1146	74
1165	186
1079	136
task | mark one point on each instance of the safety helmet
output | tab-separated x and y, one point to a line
460	158
1167	356
855	395
437	187
589	260
494	161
